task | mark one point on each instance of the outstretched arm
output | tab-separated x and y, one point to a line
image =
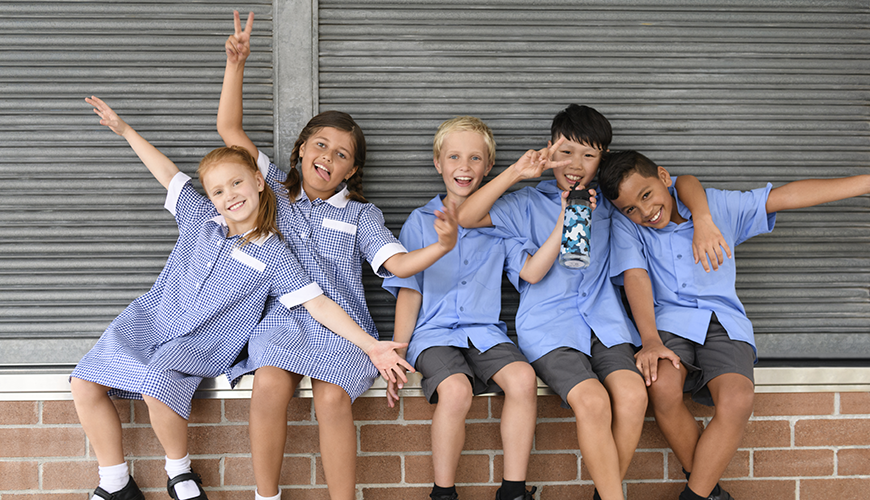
160	166
812	192
408	303
404	265
707	241
383	354
638	290
230	111
474	212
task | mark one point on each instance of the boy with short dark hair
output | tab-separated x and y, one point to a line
696	336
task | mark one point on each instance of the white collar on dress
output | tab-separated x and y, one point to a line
338	200
222	222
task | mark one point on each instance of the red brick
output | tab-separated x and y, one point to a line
397	493
832	432
652	437
152	473
417	408
545	467
551	407
47	496
697	409
80	474
19	413
201	411
395	438
789	463
483	436
374	409
239	410
556	436
563	491
215	495
239	471
738	467
19	475
471	469
43	442
219	439
828	488
855	403
788	404
853	462
644	465
766	434
771	489
302	439
654	491
383	469
59	412
140	442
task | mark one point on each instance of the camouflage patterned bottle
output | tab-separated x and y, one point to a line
577	227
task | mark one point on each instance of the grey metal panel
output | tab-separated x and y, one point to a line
739	94
85	231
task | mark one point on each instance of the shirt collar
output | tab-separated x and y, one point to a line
222	222
338	200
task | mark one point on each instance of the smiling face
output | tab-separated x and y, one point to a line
235	191
327	161
584	163
463	163
646	200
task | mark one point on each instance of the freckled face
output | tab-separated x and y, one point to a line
463	163
327	161
646	200
235	191
584	163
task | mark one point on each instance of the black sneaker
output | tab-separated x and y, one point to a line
719	494
452	496
529	495
129	492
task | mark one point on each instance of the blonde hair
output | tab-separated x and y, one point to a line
463	124
267	212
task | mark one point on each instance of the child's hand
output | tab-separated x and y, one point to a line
385	358
647	361
393	392
593	200
708	242
238	45
533	163
108	117
446	227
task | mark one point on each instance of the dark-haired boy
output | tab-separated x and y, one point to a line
594	374
684	312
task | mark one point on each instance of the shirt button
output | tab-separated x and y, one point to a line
466	261
461	308
464	282
583	294
684	285
679	256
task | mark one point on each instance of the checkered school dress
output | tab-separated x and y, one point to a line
200	312
330	238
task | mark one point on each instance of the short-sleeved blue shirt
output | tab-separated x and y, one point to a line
685	295
564	307
462	290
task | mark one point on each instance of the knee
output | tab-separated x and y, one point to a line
630	399
521	382
590	405
736	404
84	390
665	396
455	395
331	402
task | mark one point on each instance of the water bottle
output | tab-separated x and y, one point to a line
576	230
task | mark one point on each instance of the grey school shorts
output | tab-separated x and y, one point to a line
717	356
439	362
564	368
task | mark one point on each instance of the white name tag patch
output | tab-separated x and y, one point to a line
344	227
247	260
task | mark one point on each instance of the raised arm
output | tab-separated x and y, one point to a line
537	266
638	290
404	265
707	241
408	303
160	166
230	111
811	192
383	354
474	212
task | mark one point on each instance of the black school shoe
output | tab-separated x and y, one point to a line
719	494
187	476
452	496
529	495
129	492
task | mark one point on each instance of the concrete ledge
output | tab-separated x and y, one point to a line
53	384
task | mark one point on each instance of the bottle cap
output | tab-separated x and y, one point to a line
575	195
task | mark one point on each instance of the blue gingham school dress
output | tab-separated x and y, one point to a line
201	310
330	238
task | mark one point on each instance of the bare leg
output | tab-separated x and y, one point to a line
673	418
332	406
273	388
628	406
518	417
170	428
448	427
733	395
100	420
591	406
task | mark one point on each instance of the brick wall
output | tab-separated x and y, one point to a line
803	446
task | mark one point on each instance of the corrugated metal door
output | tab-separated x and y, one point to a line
85	231
739	93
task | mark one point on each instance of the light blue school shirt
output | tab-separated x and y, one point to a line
462	290
685	295
564	307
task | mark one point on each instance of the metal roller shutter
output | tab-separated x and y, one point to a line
85	230
739	93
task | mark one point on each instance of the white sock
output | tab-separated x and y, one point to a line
257	496
114	477
186	489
